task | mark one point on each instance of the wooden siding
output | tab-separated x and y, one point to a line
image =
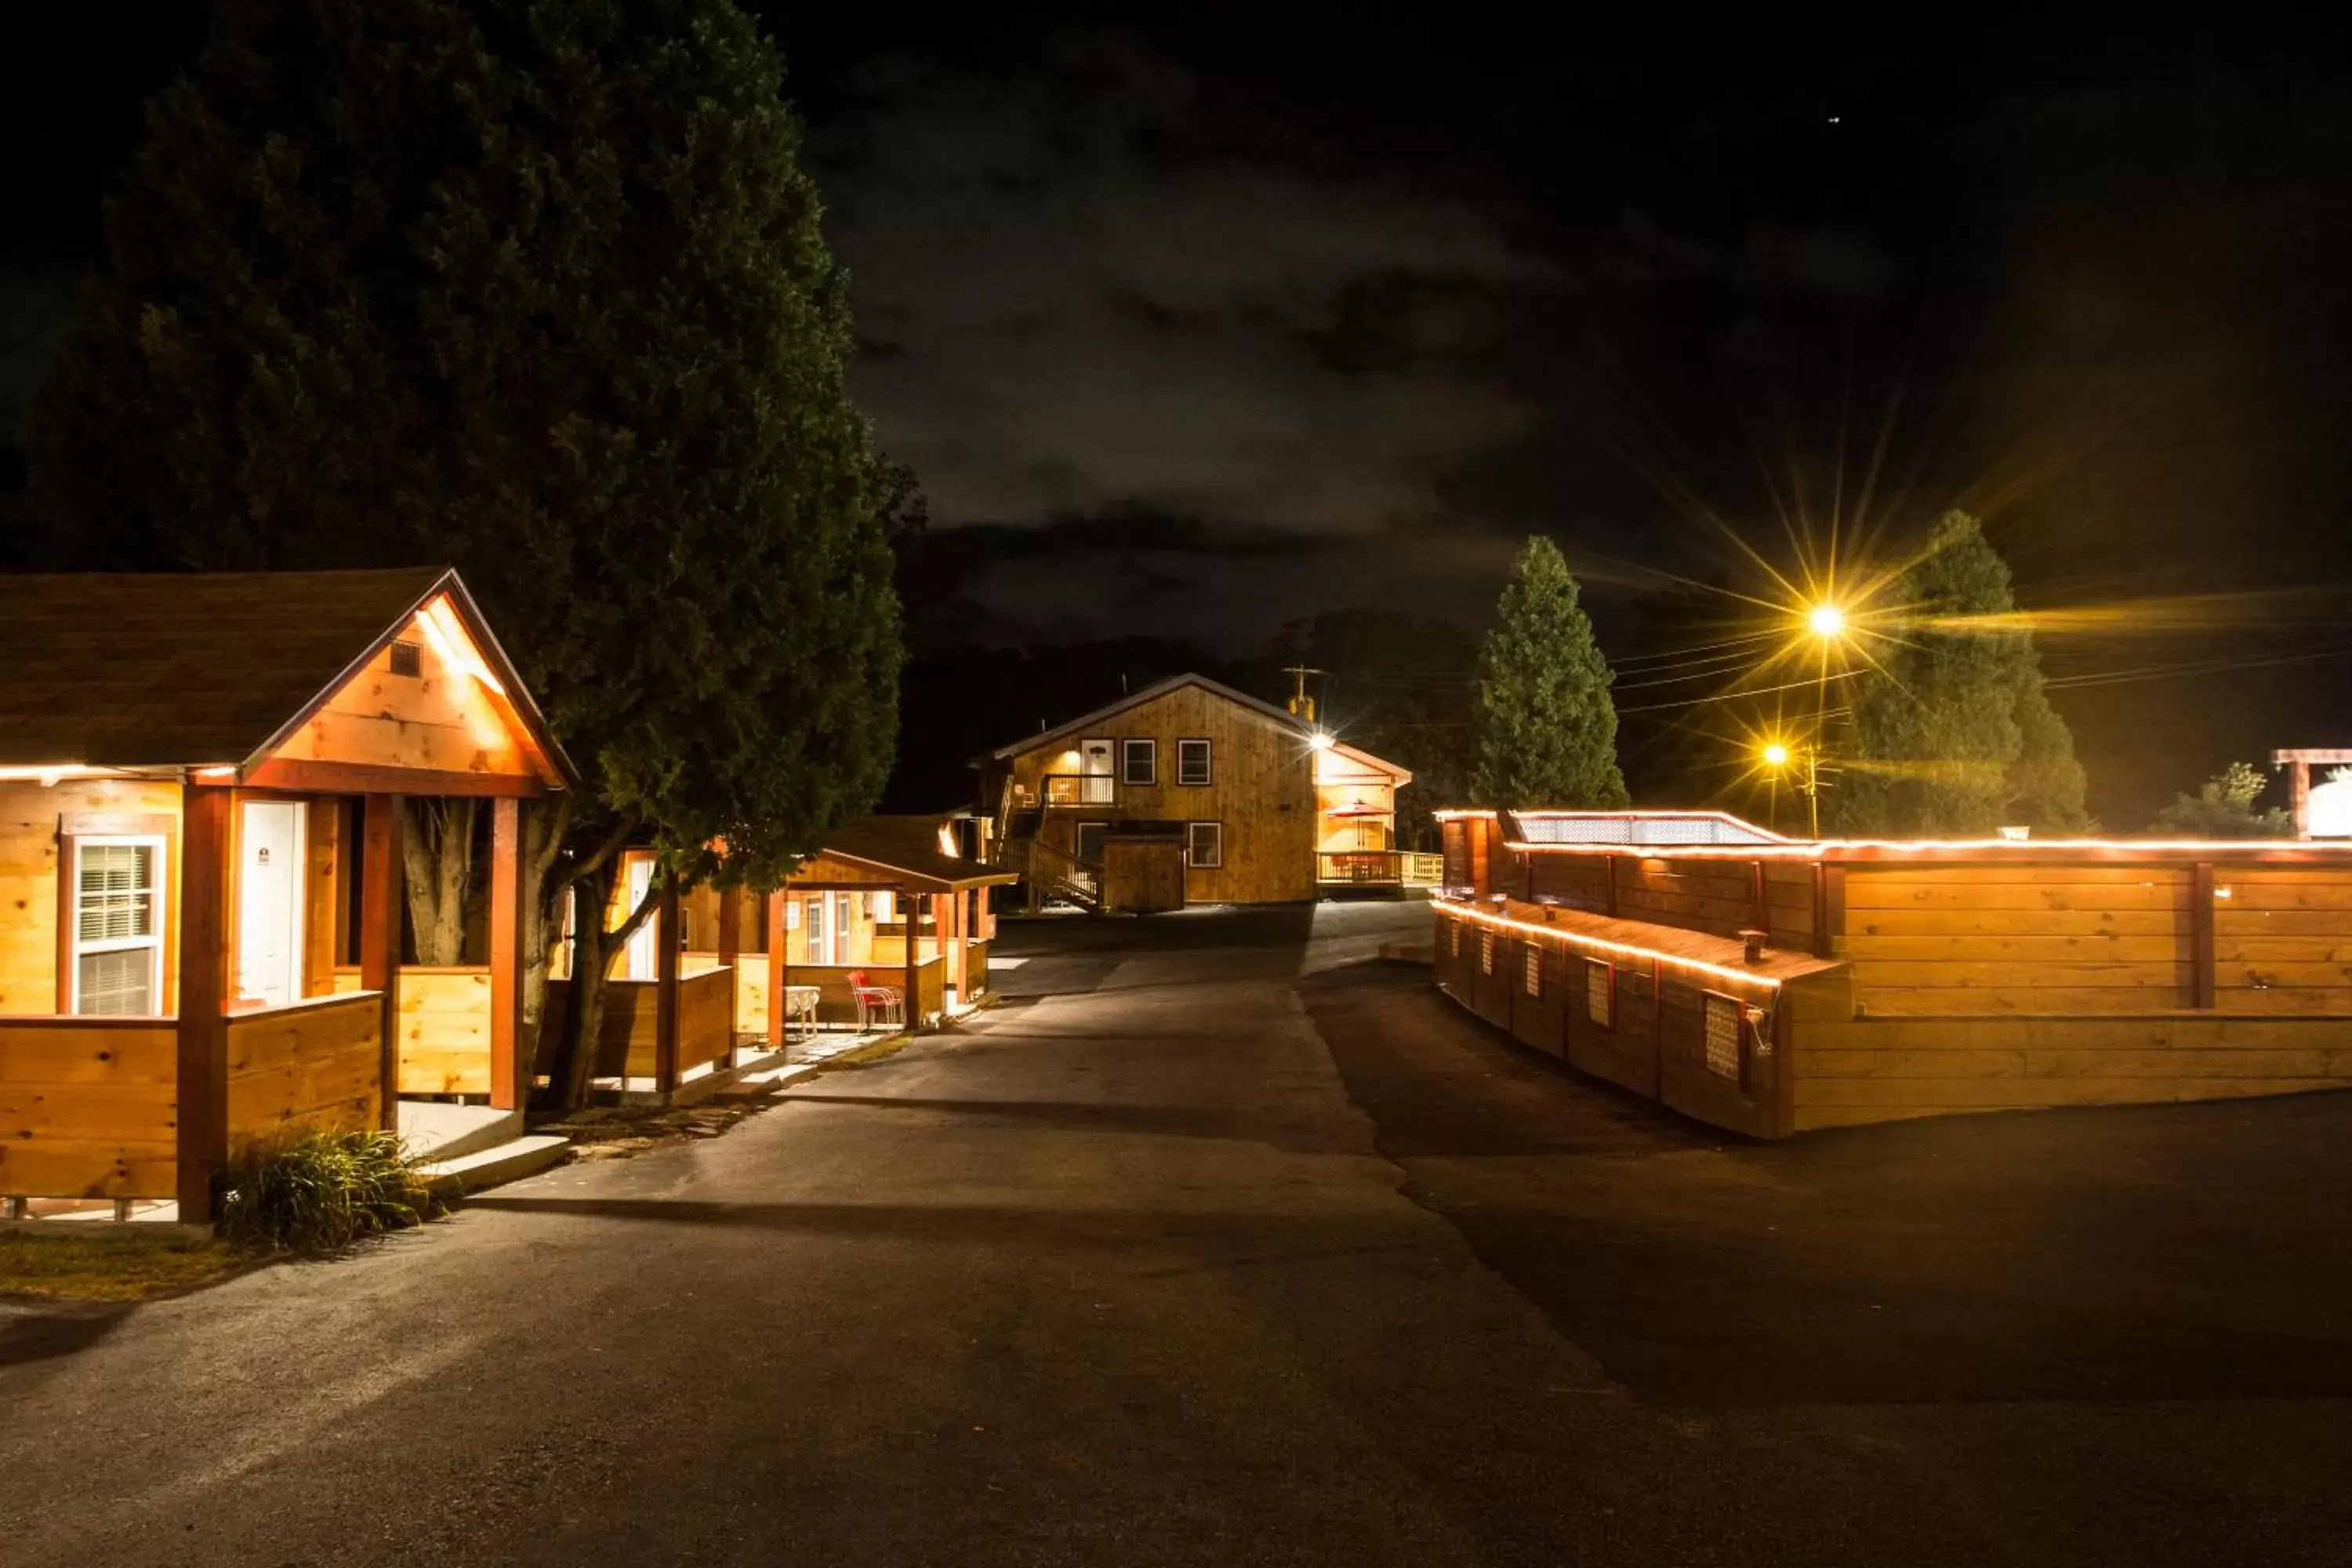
2020	938
1654	1040
1714	894
1143	876
2282	939
30	884
445	1029
1880	1069
1262	789
314	1065
442	718
88	1108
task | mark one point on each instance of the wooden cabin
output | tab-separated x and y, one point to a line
1772	986
1190	792
201	780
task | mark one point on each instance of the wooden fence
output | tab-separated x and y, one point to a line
1954	977
88	1107
316	1062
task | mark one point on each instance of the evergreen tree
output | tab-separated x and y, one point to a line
1543	727
1953	732
535	286
2224	808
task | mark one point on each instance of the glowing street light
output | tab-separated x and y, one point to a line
1321	741
1826	622
1776	755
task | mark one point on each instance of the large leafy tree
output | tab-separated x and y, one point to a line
1953	732
1543	727
535	286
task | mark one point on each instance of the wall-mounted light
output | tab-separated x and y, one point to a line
1319	742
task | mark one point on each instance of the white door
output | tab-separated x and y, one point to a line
644	947
1093	765
269	903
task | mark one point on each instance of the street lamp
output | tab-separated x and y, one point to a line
1826	622
1778	755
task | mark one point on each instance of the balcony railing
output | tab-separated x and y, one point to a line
1081	789
1380	868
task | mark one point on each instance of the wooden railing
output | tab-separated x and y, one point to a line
316	1062
1080	789
1061	874
1369	867
88	1107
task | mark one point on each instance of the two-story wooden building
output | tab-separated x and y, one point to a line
1189	792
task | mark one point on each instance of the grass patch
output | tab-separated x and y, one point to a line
107	1265
319	1191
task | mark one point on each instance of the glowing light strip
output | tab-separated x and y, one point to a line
2010	849
1470	913
48	773
451	644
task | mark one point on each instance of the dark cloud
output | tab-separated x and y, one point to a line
1078	313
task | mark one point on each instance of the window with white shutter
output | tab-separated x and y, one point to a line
118	926
1600	993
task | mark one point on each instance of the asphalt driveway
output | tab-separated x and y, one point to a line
1216	1246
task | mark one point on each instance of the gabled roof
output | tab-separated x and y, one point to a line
1215	688
902	849
198	669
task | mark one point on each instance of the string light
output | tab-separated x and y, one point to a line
1505	922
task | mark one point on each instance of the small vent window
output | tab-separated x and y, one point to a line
1724	1019
1485	952
1531	966
407	659
1600	993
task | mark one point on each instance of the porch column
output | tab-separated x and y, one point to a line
666	988
207	889
780	969
380	890
951	938
510	1067
730	946
910	916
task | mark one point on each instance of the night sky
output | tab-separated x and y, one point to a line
1193	322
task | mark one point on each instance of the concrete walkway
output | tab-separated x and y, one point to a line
1120	1276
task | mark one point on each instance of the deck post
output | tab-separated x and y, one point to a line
2201	920
666	988
779	970
909	915
207	887
380	893
510	1072
730	952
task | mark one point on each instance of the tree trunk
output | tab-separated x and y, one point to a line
593	951
544	899
438	848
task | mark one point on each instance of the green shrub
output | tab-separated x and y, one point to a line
323	1190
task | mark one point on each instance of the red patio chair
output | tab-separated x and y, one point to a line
886	1000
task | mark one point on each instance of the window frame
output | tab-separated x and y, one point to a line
1150	755
1531	961
1192	838
1708	1000
70	945
1486	950
1607	1017
1208	778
